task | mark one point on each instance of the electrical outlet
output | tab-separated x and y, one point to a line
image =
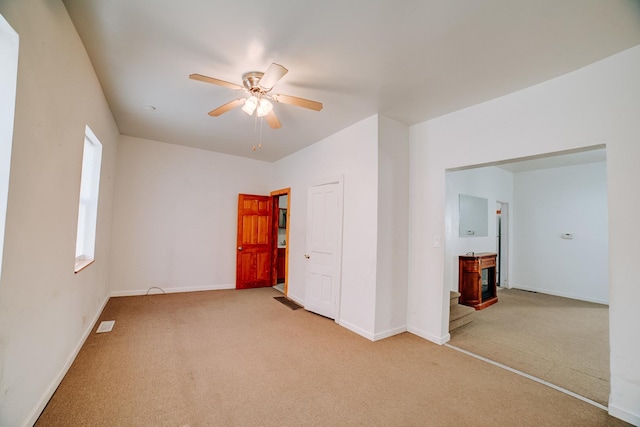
436	241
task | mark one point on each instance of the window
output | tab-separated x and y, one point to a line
88	206
9	41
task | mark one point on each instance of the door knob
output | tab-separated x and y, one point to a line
307	256
239	248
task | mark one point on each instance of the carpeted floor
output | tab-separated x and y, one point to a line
560	340
241	358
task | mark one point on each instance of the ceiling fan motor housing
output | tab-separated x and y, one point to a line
251	81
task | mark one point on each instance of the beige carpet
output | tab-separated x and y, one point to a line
241	358
560	340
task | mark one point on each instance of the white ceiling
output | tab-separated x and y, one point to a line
407	59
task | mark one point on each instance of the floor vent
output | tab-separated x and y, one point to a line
105	326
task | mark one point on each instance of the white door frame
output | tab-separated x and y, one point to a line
504	245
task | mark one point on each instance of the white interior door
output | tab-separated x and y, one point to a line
324	249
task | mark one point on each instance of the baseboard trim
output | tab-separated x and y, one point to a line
48	393
154	290
389	333
560	294
427	336
353	328
624	415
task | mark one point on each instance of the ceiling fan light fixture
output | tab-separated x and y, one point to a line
250	105
264	108
257	86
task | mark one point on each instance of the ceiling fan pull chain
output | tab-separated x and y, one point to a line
260	140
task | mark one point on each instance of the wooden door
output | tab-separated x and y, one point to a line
253	269
324	249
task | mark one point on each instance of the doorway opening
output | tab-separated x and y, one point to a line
281	202
551	193
502	243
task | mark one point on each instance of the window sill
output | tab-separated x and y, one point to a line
81	264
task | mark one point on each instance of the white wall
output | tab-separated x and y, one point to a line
591	106
175	217
352	153
9	41
46	310
551	202
491	183
393	228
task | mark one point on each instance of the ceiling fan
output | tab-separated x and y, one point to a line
258	85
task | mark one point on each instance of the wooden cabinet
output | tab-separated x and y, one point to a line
477	280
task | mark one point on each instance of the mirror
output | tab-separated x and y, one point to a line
474	216
282	218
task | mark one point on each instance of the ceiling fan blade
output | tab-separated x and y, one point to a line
218	82
300	102
226	107
274	73
273	121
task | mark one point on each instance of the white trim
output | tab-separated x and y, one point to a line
624	415
427	336
504	250
336	179
82	263
560	294
389	333
48	393
155	290
340	182
353	328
